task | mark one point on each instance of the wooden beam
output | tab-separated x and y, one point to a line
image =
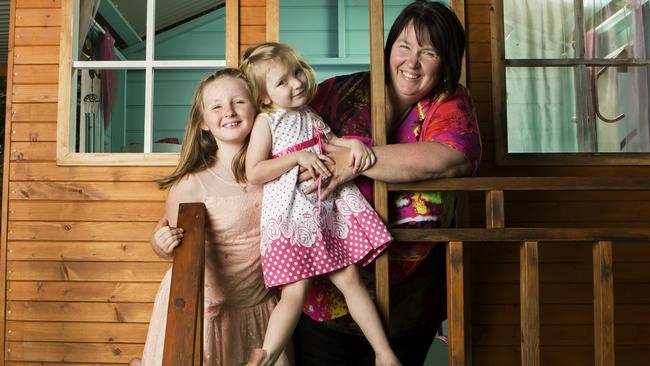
592	183
459	351
232	33
273	20
118	23
529	302
378	116
494	210
183	341
603	304
522	234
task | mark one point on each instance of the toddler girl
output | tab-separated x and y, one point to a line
304	236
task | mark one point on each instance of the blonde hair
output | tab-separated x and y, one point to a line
254	58
199	150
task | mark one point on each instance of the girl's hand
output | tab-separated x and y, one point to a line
166	238
314	163
362	156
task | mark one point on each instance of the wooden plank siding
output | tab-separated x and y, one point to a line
566	308
79	277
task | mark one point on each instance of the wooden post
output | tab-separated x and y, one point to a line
529	302
494	210
603	303
378	115
459	351
184	333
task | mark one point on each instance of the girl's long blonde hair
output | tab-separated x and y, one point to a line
252	65
199	150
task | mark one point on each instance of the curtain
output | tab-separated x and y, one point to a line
540	113
87	12
541	107
618	29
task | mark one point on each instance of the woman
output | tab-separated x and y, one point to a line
237	305
433	133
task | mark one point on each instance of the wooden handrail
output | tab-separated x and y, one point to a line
184	332
484	184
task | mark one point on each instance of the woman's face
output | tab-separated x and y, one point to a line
228	111
414	67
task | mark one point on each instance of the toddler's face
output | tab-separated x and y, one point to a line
285	87
228	111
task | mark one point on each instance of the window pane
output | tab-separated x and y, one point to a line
538	29
617	29
190	30
541	116
110	111
173	91
333	41
623	93
110	31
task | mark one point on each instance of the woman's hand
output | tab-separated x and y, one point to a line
342	170
166	238
362	156
313	163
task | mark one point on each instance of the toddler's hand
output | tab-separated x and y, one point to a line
362	156
314	163
167	238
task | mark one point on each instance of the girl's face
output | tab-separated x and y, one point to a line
414	67
228	111
285	87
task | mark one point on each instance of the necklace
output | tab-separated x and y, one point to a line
230	180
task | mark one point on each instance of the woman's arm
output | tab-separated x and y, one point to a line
398	163
260	168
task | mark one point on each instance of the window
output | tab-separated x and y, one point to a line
128	70
571	81
332	36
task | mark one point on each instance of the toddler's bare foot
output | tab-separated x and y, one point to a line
135	362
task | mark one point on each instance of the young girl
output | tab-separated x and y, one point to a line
237	305
303	235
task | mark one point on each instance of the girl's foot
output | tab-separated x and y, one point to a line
135	362
256	357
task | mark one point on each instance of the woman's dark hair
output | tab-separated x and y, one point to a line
438	23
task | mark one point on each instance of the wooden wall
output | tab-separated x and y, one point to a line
565	268
80	276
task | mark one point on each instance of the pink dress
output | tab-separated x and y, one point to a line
237	305
302	235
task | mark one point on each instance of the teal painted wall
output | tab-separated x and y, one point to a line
333	42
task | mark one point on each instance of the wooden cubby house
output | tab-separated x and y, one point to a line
549	264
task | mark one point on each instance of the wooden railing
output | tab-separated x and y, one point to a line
184	320
457	240
184	333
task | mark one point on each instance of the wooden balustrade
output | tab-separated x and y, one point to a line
529	238
184	320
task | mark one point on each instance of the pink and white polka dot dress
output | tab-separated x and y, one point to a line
299	240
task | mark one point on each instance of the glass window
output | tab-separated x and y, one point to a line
332	36
133	68
575	77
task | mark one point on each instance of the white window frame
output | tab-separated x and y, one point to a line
67	83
